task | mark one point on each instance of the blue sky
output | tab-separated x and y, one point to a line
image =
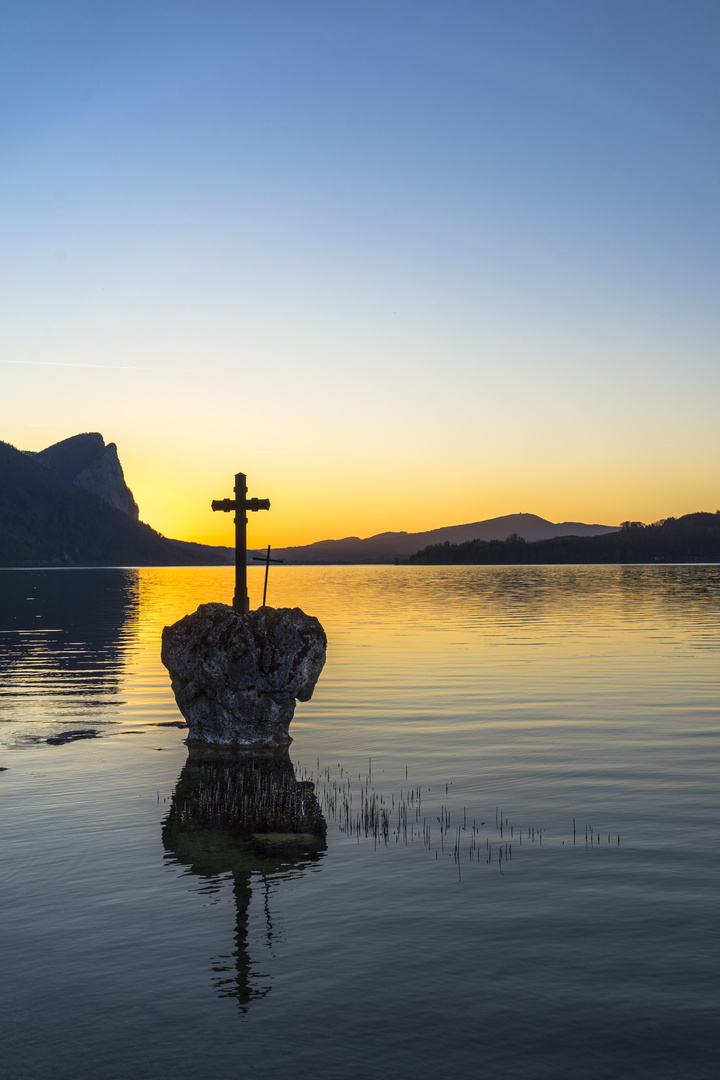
467	249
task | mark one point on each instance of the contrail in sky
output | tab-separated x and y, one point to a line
99	367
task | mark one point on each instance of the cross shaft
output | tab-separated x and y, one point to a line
240	504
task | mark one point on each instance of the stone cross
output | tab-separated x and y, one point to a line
241	600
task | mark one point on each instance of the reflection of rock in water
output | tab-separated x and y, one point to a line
243	813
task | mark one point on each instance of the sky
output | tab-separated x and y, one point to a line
405	263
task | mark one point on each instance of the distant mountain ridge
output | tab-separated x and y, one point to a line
692	538
389	546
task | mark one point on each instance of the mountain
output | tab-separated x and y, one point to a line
50	519
688	539
86	461
389	546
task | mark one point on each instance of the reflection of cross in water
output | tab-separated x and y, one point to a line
268	918
244	814
267	560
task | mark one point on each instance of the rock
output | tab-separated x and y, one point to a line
72	736
236	677
245	794
104	477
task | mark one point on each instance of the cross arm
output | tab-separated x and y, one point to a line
245	504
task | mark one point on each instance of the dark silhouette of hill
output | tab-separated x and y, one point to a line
391	546
46	520
86	461
691	538
71	456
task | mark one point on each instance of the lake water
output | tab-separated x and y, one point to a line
540	746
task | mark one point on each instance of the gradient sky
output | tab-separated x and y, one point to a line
406	263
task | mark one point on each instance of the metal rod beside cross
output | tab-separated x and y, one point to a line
241	600
267	560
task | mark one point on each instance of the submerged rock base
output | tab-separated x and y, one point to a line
227	795
236	677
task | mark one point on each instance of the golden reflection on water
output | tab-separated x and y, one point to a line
427	645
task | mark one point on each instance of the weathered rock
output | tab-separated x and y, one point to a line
104	477
236	677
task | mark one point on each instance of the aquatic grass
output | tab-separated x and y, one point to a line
361	811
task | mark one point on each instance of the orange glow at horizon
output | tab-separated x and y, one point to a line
325	510
362	489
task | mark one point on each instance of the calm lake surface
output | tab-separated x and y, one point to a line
541	746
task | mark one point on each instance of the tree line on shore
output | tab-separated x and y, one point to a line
691	538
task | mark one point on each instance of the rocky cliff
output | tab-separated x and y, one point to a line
85	460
